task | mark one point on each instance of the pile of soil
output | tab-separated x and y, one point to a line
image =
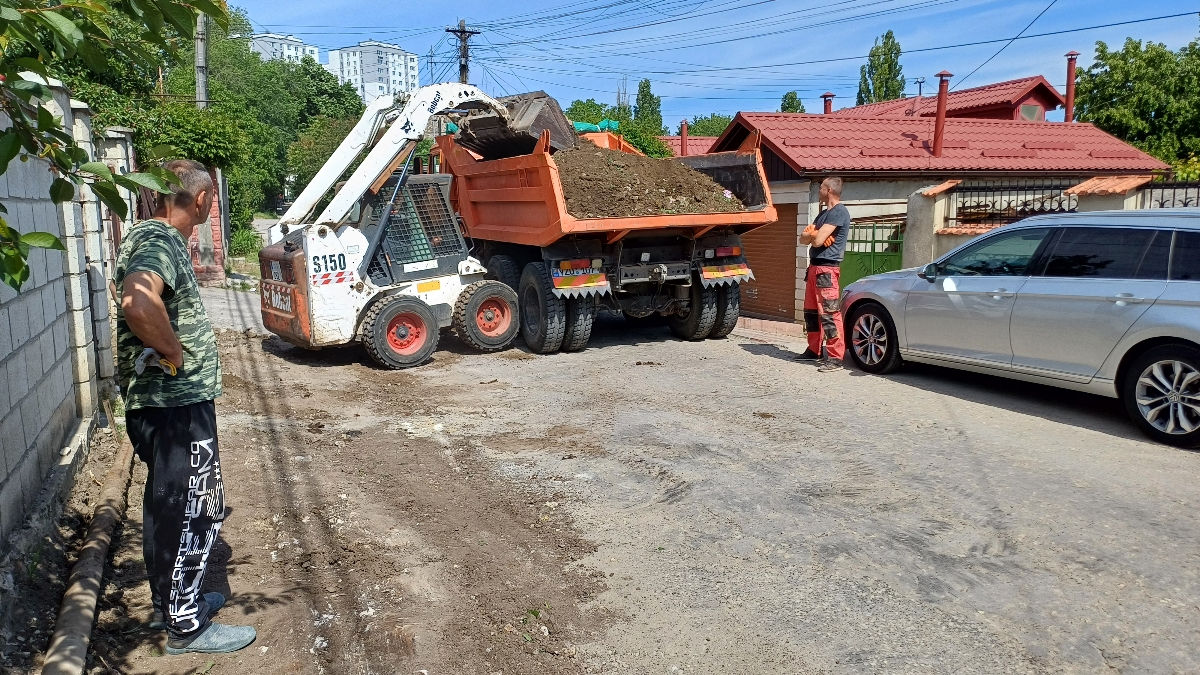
601	183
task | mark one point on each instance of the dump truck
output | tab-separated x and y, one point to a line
684	268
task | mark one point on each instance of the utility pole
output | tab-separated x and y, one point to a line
464	50
202	61
430	62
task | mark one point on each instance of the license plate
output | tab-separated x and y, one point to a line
574	273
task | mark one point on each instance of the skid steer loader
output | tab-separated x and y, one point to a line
385	262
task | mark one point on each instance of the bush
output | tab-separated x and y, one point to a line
244	242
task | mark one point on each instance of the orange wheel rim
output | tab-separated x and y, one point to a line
494	317
406	333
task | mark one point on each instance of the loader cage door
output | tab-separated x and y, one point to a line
419	238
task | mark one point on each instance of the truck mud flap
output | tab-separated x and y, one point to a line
582	285
725	275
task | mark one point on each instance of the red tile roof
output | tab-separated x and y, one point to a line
941	187
828	143
697	145
958	102
966	230
1109	185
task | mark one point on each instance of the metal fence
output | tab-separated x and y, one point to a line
875	244
1172	195
1002	202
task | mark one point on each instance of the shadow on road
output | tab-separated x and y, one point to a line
773	351
1087	411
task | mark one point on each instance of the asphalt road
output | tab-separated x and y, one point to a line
753	515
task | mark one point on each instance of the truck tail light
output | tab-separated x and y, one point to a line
581	264
728	251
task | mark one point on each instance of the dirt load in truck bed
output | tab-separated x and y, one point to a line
602	183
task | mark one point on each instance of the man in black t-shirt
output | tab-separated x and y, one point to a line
826	238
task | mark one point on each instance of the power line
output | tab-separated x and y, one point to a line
1005	45
714	69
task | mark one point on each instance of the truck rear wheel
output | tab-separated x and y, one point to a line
544	314
581	316
504	268
697	322
729	308
400	332
485	316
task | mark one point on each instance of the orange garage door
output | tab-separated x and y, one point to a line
771	252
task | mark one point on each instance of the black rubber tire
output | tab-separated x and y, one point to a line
890	359
375	332
487	296
701	316
1185	354
729	308
581	316
504	268
544	314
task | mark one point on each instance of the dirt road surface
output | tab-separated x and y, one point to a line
654	506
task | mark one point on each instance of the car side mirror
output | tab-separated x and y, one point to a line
929	272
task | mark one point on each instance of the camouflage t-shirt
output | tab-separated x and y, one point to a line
154	246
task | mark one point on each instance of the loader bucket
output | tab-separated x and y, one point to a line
530	114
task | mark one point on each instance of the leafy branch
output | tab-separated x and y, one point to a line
73	29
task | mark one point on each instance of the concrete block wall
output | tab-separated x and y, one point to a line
48	357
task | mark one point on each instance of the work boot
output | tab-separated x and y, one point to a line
808	355
830	366
218	638
215	601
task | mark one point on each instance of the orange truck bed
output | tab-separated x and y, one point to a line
519	200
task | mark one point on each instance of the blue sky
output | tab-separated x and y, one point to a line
705	56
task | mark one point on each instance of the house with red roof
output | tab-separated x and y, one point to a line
921	176
696	145
1026	98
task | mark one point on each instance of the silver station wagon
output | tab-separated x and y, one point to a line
1104	302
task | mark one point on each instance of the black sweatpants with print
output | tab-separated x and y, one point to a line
183	508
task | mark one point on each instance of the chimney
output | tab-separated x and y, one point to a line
683	138
828	98
1069	114
939	126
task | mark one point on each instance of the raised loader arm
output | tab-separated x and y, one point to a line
362	133
408	126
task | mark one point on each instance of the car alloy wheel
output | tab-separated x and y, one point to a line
1168	397
869	339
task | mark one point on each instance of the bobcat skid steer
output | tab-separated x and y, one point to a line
385	263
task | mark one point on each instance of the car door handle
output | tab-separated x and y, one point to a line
1000	294
1122	299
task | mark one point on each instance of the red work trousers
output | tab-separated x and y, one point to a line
823	312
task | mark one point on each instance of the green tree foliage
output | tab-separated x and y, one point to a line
590	111
308	153
881	79
791	103
36	36
271	102
323	95
645	140
1187	169
1145	94
709	125
647	110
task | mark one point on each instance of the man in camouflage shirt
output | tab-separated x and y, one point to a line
171	417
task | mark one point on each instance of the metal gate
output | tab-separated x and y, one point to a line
873	246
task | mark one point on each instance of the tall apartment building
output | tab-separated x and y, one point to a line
282	47
375	69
